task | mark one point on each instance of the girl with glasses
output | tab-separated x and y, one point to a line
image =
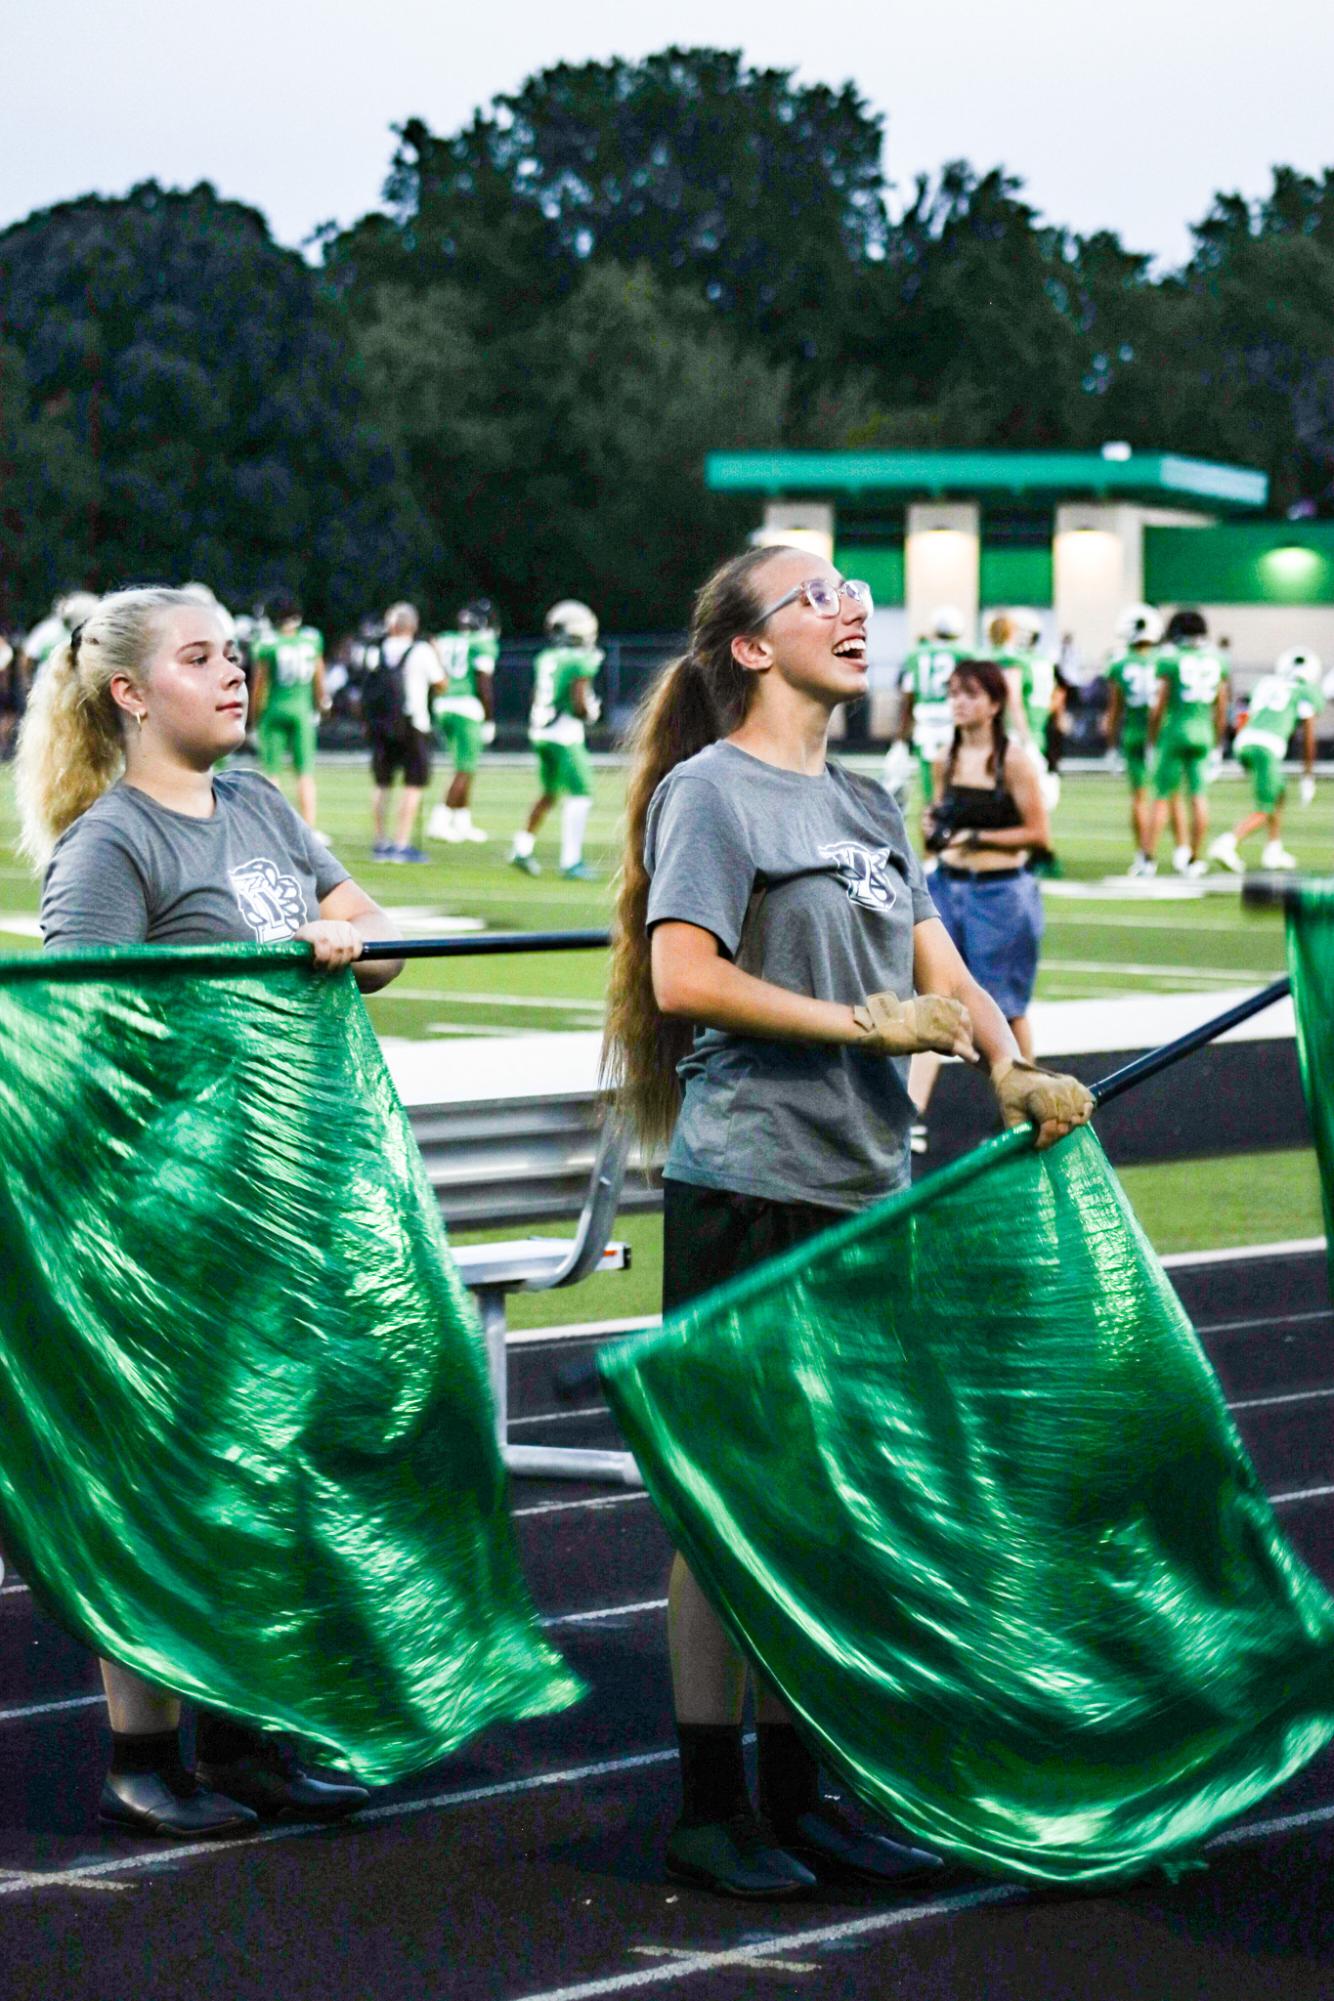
778	959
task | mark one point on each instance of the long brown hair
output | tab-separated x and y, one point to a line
697	699
990	678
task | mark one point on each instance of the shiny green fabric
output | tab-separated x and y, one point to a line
962	1484
1310	909
247	1444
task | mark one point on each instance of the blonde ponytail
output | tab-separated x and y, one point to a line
696	700
71	743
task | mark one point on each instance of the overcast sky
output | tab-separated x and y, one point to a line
1127	114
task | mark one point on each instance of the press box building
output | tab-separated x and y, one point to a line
1076	535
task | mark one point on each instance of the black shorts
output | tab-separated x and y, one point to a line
402	749
710	1235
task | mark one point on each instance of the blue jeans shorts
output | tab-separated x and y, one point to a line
996	924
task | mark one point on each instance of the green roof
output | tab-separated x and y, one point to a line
1147	476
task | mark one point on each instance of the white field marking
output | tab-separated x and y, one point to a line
1095	920
998	1894
607	1612
18	925
1282	1247
1161	970
490	1029
581	1330
561	1416
721	1959
399	1810
1272	1403
567	1507
1264	1320
27	1879
576	1003
777	1942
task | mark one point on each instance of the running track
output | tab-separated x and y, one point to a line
527	1869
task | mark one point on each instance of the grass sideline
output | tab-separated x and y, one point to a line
1184	1205
1110	942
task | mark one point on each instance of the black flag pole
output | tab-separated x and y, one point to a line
485	945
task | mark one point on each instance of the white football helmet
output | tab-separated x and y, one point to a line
947	622
1027	624
573	621
1299	664
77	608
1140	625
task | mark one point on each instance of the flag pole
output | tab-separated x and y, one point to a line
484	946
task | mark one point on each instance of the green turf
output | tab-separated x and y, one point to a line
1184	1205
1092	950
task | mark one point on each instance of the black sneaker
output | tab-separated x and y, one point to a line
271	1780
835	1847
735	1858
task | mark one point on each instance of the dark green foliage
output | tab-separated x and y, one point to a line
181	402
507	379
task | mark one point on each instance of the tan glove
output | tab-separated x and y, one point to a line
1041	1097
894	1027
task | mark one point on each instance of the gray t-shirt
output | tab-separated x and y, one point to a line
130	871
809	883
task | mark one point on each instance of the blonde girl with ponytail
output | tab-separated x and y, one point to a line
777	960
139	839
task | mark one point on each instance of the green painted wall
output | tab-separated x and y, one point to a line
882	569
1266	562
1016	576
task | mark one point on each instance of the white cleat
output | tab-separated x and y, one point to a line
1225	852
1143	867
1276	856
467	832
1196	869
440	826
1181	860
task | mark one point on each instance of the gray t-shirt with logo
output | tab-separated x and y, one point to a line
809	883
130	871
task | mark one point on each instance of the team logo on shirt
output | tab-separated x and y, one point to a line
865	872
272	904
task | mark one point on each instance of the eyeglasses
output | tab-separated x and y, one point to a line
823	595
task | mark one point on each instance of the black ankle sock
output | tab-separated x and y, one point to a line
155	1751
789	1774
220	1740
713	1772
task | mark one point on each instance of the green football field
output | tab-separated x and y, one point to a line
1104	938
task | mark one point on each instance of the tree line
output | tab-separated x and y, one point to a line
504	380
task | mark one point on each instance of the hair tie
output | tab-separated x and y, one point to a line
74	639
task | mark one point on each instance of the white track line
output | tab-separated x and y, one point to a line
568	1507
1265	1320
438	1803
781	1942
11	1590
1300	1494
561	1416
1272	1403
49	1708
607	1612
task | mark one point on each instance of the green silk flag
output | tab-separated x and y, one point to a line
961	1483
248	1441
1310	923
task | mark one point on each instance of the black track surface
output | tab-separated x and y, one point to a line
554	1888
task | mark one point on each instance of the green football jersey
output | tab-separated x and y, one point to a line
1194	675
925	675
291	659
465	656
553	717
1037	684
1276	707
1135	673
